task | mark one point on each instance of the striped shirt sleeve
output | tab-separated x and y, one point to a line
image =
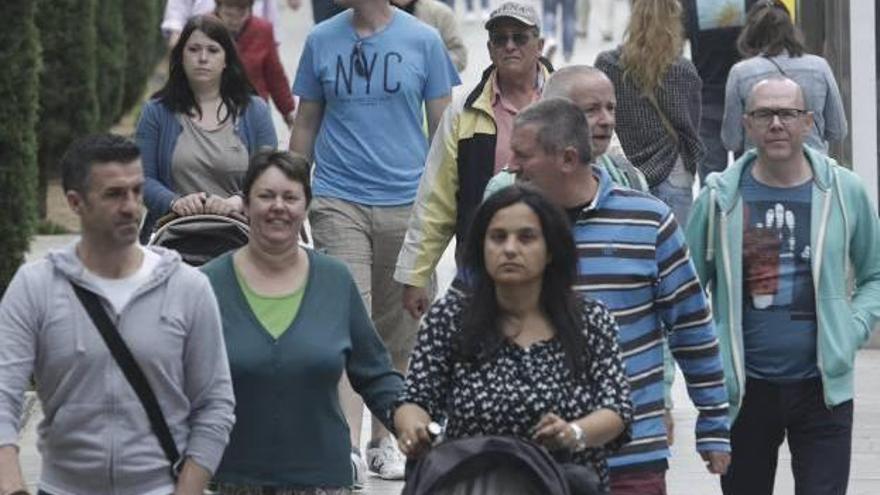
687	317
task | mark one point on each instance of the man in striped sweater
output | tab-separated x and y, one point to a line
633	258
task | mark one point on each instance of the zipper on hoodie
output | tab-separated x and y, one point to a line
738	365
817	275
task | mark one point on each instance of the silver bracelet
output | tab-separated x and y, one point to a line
580	438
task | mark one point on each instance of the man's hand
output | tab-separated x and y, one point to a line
193	479
716	462
11	479
415	300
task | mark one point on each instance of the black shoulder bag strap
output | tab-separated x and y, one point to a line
133	373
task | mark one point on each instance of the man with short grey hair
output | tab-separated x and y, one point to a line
634	260
592	91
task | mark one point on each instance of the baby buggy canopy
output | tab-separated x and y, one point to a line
201	238
487	465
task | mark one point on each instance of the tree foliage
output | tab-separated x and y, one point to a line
111	61
68	97
144	46
20	59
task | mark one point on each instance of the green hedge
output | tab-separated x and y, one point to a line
111	58
68	97
144	46
20	60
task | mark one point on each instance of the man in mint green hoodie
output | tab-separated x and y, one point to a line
777	238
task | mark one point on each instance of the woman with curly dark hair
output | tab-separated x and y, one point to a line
523	354
197	132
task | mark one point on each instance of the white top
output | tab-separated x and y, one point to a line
178	11
119	290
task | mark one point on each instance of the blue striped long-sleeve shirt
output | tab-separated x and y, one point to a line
633	258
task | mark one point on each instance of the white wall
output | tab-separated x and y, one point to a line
864	92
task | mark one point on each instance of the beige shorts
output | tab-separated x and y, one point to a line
368	240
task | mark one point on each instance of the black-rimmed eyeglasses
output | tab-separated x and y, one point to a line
764	116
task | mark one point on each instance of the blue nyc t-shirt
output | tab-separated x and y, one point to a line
371	146
779	305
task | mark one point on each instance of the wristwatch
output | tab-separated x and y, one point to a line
580	438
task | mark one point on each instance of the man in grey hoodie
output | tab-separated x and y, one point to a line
96	437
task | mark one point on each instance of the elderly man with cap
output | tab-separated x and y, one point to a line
471	145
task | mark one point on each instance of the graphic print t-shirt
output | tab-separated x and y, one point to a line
371	146
779	306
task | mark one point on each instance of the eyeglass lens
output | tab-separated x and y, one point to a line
786	115
500	40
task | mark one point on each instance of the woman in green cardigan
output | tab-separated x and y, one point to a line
293	321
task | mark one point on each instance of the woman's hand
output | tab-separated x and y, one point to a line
231	206
191	204
554	433
411	423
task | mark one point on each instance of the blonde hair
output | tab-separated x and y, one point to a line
652	42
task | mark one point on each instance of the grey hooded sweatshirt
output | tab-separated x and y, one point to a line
95	437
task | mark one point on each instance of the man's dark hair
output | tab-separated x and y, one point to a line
481	335
769	31
77	162
294	166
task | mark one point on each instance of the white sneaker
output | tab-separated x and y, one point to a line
358	471
386	460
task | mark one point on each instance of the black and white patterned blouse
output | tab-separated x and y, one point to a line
508	393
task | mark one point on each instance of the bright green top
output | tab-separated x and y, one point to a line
275	313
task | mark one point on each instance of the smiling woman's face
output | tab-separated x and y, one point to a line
277	209
514	249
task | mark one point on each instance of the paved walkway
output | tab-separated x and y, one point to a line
687	475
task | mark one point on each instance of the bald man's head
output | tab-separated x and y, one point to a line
561	82
777	121
593	93
775	84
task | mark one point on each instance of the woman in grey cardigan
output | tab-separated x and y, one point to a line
775	47
658	102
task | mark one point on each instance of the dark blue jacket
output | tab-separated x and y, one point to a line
156	136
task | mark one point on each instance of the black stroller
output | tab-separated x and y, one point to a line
200	238
496	465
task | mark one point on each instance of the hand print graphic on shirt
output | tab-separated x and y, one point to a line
772	257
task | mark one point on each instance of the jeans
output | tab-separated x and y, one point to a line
677	191
819	438
469	4
569	23
710	133
639	483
